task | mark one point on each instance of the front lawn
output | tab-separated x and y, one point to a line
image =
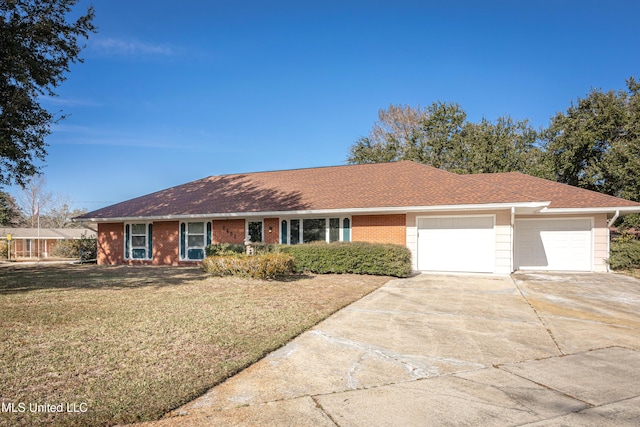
127	344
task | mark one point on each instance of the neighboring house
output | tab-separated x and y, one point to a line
489	223
31	243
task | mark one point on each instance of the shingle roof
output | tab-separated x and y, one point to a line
46	233
380	185
560	195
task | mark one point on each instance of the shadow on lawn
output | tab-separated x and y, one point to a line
17	278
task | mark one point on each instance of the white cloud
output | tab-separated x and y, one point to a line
113	46
70	101
78	135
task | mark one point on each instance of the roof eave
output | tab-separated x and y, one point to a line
609	209
342	211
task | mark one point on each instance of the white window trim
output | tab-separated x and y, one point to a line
246	228
327	227
186	240
129	255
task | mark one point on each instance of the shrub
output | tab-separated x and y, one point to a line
84	248
263	266
264	248
624	254
219	249
65	249
4	249
356	257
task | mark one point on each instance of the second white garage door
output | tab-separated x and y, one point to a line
553	244
464	244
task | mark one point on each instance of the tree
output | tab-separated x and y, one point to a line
427	135
52	208
595	144
441	136
390	137
37	47
59	214
34	199
10	215
504	146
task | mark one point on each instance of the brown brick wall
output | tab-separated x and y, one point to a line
166	236
227	231
273	236
111	243
379	229
166	243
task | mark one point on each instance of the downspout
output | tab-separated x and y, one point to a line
609	225
513	244
615	217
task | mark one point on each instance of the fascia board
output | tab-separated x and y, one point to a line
345	211
612	209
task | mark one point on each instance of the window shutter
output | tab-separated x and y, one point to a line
183	241
208	233
150	242
127	240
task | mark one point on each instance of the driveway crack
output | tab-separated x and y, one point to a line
324	412
553	338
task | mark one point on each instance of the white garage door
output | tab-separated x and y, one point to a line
465	244
553	244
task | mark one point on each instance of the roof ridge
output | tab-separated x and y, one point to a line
352	165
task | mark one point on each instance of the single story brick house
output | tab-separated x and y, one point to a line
487	223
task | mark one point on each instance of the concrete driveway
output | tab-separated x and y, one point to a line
532	349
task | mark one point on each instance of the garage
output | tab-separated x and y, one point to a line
458	244
553	244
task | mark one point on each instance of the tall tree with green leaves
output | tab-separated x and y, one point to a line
440	135
595	144
10	215
506	145
428	135
37	47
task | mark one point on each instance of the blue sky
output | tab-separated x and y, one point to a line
173	91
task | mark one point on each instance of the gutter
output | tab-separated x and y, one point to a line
615	217
513	240
342	211
623	210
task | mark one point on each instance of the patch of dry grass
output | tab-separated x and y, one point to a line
633	272
130	344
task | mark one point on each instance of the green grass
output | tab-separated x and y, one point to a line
134	343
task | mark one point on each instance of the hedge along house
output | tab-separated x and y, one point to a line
488	223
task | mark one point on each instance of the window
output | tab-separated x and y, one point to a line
194	237
138	241
254	231
334	229
307	230
283	232
314	230
346	230
294	237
